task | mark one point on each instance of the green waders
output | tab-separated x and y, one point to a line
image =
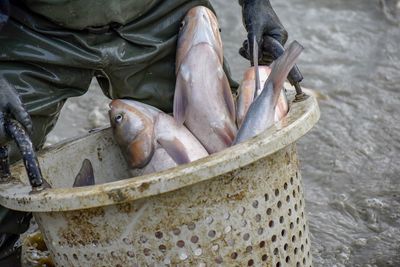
48	63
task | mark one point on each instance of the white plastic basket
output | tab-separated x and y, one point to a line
243	206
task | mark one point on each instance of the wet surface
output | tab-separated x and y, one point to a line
350	160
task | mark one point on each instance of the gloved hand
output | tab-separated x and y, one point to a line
260	20
11	105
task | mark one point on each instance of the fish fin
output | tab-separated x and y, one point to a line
281	68
85	176
176	150
181	97
227	94
226	134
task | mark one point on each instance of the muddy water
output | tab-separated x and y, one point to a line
351	160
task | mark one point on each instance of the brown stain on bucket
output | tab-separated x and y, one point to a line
81	228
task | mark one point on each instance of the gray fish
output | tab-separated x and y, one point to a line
85	176
203	100
151	140
261	114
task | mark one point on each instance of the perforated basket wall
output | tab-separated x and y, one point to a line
253	216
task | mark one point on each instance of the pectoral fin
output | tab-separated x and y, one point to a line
175	149
181	97
85	176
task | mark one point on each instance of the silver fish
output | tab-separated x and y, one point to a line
150	139
203	100
261	114
248	91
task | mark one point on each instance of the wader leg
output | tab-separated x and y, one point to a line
43	90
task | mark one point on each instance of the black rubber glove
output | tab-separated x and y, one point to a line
11	105
260	20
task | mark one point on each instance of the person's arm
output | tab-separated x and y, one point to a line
260	21
10	104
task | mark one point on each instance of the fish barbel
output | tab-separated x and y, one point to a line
247	92
151	140
203	99
261	114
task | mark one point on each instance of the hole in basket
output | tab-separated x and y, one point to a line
258	218
209	220
191	226
300	234
285	186
100	256
304	260
278	264
298	189
246	237
293	238
285	247
302	215
304	227
249	249
255	204
302	248
266	197
283	232
180	243
264	257
279	204
262	244
269	211
234	255
218	260
260	231
298	220
287	259
290	212
211	233
271	224
276	192
276	251
127	241
176	231
146	251
291	225
130	254
273	238
307	241
295	207
194	239
75	256
291	180
295	251
281	219
294	193
301	202
250	263
287	198
298	264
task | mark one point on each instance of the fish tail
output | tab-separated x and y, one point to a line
281	68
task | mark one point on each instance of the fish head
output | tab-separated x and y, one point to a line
133	129
200	25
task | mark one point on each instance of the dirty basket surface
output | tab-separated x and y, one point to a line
243	206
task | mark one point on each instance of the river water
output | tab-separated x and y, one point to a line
351	159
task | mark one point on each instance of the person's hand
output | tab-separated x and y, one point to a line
11	105
261	21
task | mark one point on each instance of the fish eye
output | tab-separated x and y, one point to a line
118	119
182	25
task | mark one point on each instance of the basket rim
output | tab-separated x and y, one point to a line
301	118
